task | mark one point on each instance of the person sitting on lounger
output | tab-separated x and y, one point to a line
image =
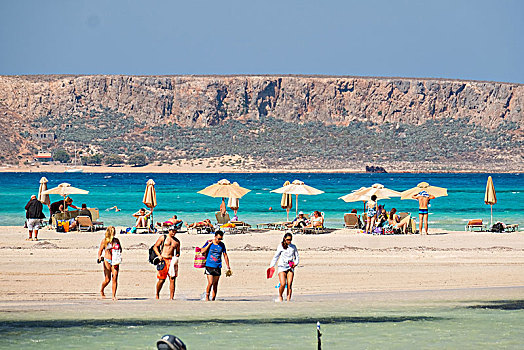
170	222
382	216
141	217
317	220
300	221
200	224
395	222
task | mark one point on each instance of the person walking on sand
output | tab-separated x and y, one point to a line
167	248
215	248
34	216
287	256
371	207
111	259
423	201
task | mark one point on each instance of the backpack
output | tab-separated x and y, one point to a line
153	258
497	227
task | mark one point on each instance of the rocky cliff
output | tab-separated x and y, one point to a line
208	100
203	101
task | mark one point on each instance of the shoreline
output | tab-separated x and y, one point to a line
155	168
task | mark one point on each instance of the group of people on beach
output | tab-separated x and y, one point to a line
167	250
377	216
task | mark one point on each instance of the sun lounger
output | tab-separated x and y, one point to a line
512	228
241	226
222	219
84	223
351	220
280	225
477	224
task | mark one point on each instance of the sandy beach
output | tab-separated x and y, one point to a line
62	267
227	165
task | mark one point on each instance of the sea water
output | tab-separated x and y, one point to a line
230	325
177	194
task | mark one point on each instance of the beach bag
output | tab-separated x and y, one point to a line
62	225
153	258
378	230
498	227
200	259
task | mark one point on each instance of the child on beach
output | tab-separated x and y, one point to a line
111	259
287	256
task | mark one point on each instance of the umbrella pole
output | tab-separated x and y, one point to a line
296	206
491	215
287	217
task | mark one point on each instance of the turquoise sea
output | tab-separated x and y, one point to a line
265	325
177	193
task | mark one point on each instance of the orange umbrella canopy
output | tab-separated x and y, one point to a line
490	197
150	195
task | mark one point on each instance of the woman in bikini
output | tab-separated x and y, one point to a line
371	207
112	257
395	222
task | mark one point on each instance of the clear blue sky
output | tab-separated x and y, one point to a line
477	39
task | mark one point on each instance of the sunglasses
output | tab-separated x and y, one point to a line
218	238
288	239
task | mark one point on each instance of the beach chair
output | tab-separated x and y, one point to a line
222	219
512	228
316	229
241	226
476	224
351	220
148	228
178	227
84	223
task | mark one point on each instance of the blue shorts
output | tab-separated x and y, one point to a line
423	211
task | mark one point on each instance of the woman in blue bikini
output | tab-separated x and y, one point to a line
371	207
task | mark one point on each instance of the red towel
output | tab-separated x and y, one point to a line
270	271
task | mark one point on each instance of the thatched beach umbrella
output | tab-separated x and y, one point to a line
490	196
424	186
224	189
149	199
287	201
298	187
44	198
354	197
378	190
65	189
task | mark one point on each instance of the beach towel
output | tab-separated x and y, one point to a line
171	269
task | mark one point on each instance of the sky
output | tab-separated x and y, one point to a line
455	39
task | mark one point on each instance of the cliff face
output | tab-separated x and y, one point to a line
201	101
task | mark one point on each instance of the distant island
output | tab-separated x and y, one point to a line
252	123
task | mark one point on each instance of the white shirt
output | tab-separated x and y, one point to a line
285	255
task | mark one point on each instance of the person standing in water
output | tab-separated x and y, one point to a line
111	259
287	256
168	261
423	201
215	248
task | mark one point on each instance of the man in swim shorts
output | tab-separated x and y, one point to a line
423	201
169	259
